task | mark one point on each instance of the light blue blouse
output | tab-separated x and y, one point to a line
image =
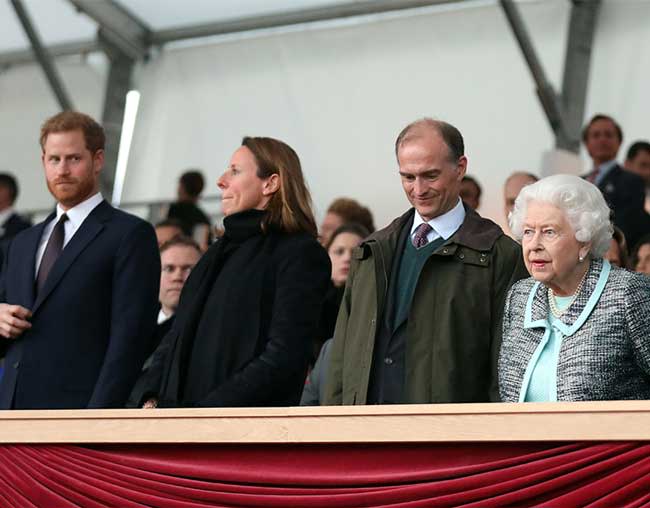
544	374
540	379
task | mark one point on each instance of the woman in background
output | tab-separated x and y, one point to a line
641	256
617	253
339	248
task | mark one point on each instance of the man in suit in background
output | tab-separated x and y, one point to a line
79	290
178	256
10	222
623	190
638	162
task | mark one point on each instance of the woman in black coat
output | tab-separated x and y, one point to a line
247	314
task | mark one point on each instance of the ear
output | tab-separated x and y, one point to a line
461	166
98	160
584	250
271	185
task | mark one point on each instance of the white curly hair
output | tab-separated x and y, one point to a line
582	202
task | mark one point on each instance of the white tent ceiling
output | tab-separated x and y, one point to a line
58	22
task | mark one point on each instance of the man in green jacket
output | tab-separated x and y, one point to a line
420	320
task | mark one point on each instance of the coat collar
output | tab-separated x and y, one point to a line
537	308
475	232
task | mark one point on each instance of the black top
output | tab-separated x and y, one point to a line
188	214
245	320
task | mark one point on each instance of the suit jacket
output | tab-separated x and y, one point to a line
14	225
604	353
625	195
93	319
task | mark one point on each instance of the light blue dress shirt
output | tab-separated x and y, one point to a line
544	374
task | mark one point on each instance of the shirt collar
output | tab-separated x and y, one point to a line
446	224
78	213
162	317
605	168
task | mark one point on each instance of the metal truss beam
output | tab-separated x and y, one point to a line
118	26
117	86
288	18
26	56
140	36
548	97
564	111
42	56
577	62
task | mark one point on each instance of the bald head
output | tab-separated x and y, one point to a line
428	128
515	182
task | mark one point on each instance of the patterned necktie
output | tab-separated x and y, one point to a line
420	237
593	176
52	252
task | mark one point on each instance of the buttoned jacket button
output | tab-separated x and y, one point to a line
388	361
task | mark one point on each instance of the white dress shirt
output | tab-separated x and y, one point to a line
162	317
76	216
603	170
444	225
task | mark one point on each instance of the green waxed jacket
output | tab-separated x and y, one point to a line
454	325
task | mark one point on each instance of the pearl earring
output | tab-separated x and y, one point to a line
581	258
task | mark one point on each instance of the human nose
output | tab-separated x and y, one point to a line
535	243
63	168
419	187
221	181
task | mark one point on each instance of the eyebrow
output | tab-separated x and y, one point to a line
427	172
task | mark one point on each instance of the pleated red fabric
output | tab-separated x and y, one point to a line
323	476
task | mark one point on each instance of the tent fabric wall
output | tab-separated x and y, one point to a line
339	94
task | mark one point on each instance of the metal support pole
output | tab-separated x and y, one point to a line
42	56
550	101
582	27
117	86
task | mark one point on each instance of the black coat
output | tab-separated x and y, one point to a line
271	288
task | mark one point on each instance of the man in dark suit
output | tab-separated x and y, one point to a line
80	290
10	222
623	191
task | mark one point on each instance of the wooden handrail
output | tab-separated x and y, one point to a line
584	421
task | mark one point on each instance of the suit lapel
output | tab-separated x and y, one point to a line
88	230
27	262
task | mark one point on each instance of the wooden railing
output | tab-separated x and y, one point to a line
586	421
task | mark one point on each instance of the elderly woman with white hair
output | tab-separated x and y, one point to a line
578	328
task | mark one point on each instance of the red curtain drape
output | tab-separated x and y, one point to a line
314	476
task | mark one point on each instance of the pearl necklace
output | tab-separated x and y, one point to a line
551	298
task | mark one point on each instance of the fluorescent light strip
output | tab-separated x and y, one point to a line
128	127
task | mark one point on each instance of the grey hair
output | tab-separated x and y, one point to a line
582	202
